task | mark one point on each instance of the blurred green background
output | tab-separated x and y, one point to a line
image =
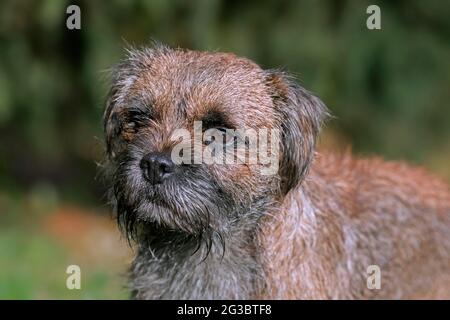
388	89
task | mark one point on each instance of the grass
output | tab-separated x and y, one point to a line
34	256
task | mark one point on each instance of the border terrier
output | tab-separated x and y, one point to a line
312	230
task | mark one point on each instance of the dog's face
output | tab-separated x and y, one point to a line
156	92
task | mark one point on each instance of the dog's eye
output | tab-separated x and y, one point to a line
226	136
229	136
130	126
134	119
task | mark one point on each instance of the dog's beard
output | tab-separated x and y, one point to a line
191	203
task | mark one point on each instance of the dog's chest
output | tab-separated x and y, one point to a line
232	275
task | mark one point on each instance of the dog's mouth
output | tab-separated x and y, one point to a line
158	197
192	206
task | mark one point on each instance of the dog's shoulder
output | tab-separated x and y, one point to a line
373	181
350	213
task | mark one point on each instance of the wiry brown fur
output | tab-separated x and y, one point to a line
227	231
349	214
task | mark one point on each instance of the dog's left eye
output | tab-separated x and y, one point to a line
227	135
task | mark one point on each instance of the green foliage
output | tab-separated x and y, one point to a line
32	266
389	89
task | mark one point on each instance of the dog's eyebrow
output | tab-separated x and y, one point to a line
139	108
214	119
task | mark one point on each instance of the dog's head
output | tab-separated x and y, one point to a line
159	92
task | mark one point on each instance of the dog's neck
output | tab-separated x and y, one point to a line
173	265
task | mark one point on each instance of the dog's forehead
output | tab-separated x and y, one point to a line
192	83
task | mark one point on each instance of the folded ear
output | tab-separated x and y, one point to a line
301	116
111	121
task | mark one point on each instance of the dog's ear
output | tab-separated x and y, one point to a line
301	116
111	122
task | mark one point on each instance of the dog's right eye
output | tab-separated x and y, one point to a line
134	119
130	126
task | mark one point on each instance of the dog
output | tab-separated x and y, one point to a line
313	230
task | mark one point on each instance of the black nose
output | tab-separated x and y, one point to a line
157	166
